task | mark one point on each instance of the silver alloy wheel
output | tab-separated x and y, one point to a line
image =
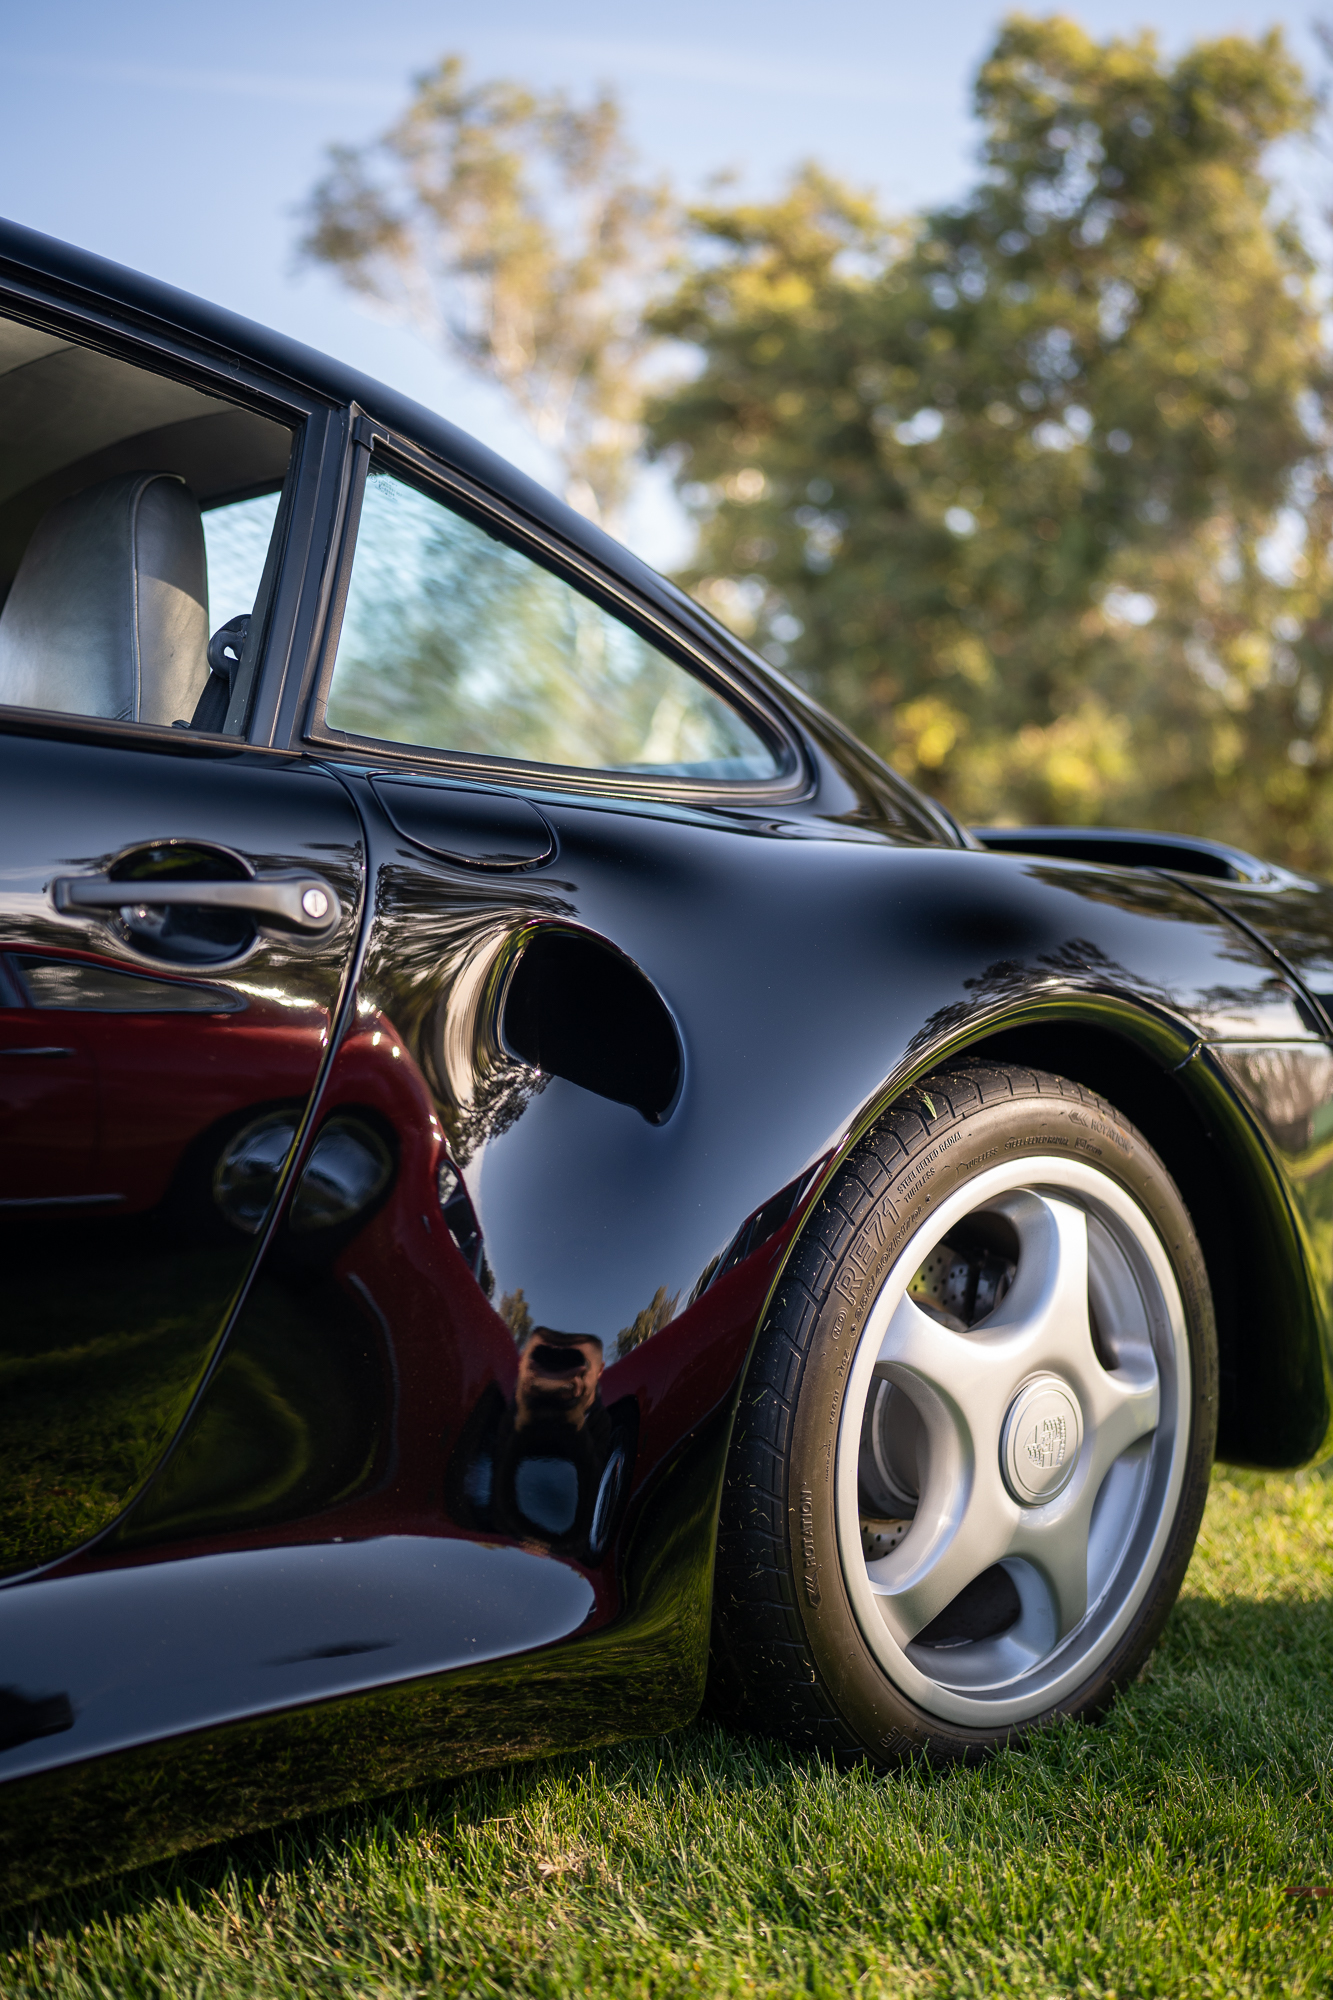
1035	1456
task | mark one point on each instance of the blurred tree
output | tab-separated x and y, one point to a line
1034	491
512	229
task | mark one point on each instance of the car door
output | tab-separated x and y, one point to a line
177	911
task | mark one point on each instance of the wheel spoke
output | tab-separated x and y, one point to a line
968	1376
1058	1550
1046	1308
918	1345
964	1519
1124	1410
939	1558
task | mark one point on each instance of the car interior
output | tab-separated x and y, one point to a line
138	543
134	511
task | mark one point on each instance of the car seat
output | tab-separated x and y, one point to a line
108	613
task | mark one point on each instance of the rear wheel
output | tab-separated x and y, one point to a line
973	1444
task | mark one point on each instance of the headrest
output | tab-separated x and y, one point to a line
108	614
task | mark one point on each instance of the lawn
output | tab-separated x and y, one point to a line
1149	1855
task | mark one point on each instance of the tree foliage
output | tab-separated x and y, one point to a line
1033	490
512	228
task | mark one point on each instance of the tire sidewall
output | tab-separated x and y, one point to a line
884	1720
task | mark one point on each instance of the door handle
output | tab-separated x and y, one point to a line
303	903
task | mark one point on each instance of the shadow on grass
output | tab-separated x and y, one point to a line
1237	1699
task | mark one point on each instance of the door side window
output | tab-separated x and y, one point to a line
237	538
454	640
130	568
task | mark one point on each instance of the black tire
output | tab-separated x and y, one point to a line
791	1654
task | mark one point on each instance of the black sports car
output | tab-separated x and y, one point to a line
539	1181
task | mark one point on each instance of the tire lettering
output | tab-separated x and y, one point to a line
810	1570
921	1168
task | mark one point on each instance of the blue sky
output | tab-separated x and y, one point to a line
180	138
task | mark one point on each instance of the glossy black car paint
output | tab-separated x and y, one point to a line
344	1572
141	1055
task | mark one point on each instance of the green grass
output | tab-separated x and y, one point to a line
1148	1855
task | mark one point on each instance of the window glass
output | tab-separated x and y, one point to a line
455	641
117	562
236	536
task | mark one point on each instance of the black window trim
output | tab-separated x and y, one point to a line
422	469
136	338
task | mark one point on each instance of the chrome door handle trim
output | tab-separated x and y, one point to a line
34	1051
303	903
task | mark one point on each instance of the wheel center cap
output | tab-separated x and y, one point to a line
1041	1441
